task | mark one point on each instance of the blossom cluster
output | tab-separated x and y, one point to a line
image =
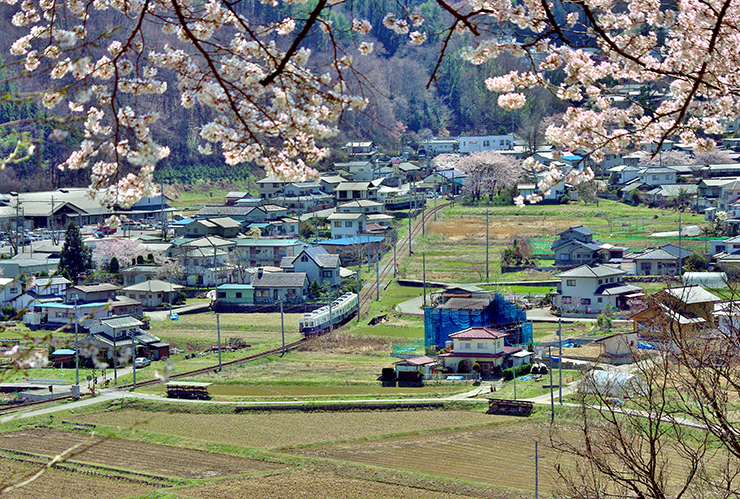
265	103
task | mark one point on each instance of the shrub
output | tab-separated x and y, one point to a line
522	370
388	374
565	200
9	312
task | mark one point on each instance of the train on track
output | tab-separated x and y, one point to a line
319	321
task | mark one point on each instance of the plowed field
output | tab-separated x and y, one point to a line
136	456
275	430
496	455
303	484
65	485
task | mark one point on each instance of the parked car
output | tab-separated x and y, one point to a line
141	362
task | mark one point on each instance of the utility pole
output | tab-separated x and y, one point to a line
377	275
435	205
77	345
218	335
536	472
409	232
133	358
395	265
424	276
359	269
560	364
331	318
423	218
164	214
513	372
487	246
552	394
282	325
678	263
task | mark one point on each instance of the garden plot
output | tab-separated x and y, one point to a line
147	458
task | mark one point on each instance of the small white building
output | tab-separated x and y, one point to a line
347	224
470	144
588	289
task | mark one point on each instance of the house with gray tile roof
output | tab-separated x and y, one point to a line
576	246
591	289
272	287
316	263
665	260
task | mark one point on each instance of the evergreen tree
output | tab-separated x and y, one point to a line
75	258
114	266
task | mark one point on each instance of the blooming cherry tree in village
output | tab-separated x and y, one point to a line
269	103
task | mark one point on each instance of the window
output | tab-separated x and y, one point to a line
221	294
600	300
327	273
585	301
238	294
466	346
600	281
142	297
567	300
337	224
656	177
481	346
564	257
304	258
570	282
348	224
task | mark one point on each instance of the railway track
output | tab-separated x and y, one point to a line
366	296
368	293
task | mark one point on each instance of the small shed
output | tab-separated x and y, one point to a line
521	357
618	345
63	357
422	363
612	384
159	350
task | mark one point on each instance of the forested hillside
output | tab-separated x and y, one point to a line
405	105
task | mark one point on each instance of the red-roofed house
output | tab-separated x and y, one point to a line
476	344
421	363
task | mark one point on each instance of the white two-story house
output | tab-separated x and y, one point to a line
481	345
587	289
347	224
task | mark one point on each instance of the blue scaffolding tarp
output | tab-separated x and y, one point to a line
439	324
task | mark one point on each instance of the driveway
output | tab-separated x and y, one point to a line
163	315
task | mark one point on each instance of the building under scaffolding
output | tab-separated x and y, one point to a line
455	309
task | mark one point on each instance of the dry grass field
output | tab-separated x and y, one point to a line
454	244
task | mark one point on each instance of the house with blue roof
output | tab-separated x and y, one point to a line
354	250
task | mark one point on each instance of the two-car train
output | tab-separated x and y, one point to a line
319	321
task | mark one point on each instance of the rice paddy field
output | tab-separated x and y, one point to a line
146	448
454	244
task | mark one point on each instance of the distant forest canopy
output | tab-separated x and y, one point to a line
394	77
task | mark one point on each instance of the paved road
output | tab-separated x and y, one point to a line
163	315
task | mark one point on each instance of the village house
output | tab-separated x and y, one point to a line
665	260
346	224
476	345
136	274
273	287
225	227
317	263
470	144
360	206
359	171
55	314
684	308
349	191
266	252
576	246
92	292
270	187
235	294
423	363
153	293
591	289
354	250
114	334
